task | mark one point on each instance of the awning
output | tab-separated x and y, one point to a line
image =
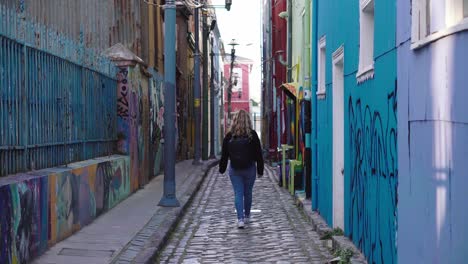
290	88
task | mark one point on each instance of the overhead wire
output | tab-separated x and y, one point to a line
190	3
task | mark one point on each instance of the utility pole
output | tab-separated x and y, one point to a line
205	87
212	104
196	91
169	197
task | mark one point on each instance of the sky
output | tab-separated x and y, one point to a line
243	23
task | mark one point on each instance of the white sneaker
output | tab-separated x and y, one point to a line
247	220
240	224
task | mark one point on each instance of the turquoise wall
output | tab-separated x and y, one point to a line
371	169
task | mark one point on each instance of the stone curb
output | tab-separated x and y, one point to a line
157	236
321	227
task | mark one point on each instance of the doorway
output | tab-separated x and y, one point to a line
338	138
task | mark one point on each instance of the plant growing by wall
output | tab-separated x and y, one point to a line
343	256
329	234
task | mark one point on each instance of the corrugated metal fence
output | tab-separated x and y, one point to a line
52	111
77	30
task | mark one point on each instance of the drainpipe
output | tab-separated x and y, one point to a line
222	101
196	90
289	66
307	108
205	86
315	176
212	104
289	54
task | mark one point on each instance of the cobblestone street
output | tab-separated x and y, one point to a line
279	232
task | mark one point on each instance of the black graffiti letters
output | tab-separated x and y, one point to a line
122	101
373	177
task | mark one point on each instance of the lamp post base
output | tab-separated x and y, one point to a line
169	202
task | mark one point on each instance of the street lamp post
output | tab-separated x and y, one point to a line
169	196
233	43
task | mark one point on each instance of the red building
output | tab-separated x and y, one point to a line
275	55
241	86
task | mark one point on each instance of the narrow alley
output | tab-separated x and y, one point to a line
115	115
278	232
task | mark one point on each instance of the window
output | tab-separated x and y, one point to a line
434	19
322	55
366	40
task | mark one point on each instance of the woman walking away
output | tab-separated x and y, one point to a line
242	146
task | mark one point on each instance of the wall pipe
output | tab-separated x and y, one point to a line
315	176
196	90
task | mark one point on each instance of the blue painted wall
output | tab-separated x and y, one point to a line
371	166
433	135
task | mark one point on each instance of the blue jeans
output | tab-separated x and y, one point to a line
243	182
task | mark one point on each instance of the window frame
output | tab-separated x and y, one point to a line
419	16
366	68
322	68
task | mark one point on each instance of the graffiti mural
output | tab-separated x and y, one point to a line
123	111
156	123
116	183
7	232
129	122
87	201
373	179
23	225
67	204
79	195
39	210
133	125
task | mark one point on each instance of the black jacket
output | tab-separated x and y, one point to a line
242	152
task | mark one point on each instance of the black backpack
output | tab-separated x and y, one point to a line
240	152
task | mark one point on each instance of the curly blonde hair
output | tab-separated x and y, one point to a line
241	125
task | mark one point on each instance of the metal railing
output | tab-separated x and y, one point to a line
52	111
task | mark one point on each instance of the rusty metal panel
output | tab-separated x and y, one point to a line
77	30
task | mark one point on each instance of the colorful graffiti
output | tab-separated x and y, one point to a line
374	178
116	184
131	139
23	225
40	210
156	122
66	204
